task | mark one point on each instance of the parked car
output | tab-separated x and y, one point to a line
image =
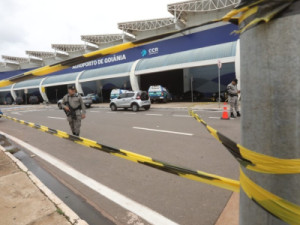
34	100
87	100
95	97
223	95
19	100
134	100
159	93
115	93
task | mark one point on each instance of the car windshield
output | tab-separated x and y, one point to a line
155	88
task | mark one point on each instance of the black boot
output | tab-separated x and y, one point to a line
238	114
232	115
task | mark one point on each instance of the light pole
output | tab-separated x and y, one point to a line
219	80
192	89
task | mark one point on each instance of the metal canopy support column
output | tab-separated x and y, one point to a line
78	84
134	80
43	90
13	93
238	63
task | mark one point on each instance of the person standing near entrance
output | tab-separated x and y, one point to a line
74	108
233	98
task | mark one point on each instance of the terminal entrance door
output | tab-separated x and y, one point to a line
172	80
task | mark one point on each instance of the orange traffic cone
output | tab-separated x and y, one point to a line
225	115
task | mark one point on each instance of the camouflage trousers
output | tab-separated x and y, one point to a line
75	124
233	102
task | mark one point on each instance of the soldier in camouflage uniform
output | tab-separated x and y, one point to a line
233	98
74	108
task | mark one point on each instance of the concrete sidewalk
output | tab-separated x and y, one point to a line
24	200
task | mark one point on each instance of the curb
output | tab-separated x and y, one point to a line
71	216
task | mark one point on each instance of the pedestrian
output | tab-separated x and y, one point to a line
74	108
233	98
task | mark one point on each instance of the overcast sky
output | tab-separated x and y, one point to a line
36	24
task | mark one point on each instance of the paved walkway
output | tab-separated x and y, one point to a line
22	202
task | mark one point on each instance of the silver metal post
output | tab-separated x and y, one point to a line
219	83
192	90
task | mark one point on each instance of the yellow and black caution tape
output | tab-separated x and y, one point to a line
246	15
252	160
273	204
199	176
250	13
42	71
278	207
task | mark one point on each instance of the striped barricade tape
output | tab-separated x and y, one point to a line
252	160
199	176
280	208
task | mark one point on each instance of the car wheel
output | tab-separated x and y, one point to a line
88	105
165	100
147	107
152	101
135	108
125	109
59	106
113	107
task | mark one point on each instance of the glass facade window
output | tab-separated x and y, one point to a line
205	78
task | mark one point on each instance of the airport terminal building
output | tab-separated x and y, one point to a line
184	63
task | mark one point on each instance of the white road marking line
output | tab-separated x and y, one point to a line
218	118
163	131
57	118
32	110
144	212
111	112
16	113
181	116
153	114
209	111
129	113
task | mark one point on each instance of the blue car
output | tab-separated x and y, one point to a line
1	113
159	93
115	93
95	97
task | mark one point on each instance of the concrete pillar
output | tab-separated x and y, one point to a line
237	63
186	80
77	83
43	90
270	86
134	80
13	93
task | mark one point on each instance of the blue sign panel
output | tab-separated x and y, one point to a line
214	36
210	37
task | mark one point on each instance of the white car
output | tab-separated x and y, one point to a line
134	100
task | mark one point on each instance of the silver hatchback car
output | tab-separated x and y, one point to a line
134	100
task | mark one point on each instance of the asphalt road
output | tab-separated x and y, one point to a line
169	135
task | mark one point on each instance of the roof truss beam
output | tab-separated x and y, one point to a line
146	25
177	9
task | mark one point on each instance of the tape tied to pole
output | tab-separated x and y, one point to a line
249	159
273	204
280	208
